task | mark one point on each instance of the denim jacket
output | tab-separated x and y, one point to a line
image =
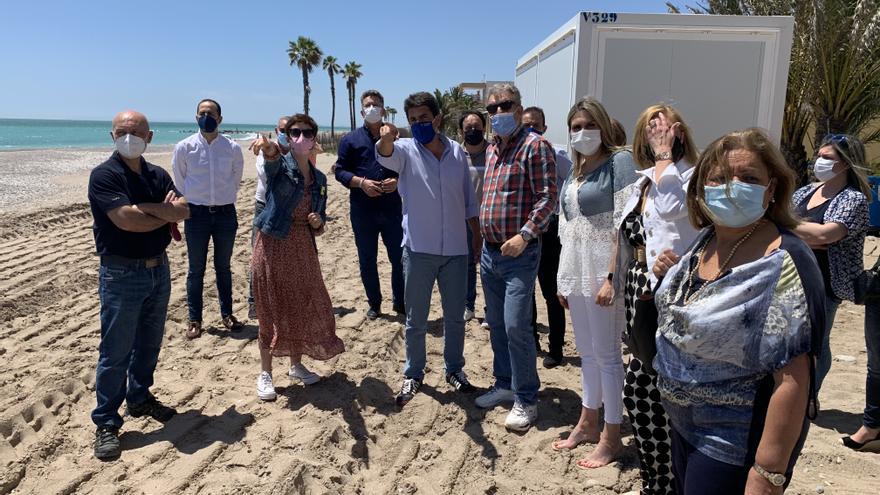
284	189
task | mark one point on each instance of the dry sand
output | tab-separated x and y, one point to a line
343	435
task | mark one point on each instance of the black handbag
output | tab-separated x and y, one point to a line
867	285
642	336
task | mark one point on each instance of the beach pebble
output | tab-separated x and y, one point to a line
843	358
820	489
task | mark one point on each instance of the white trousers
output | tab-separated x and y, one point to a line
598	342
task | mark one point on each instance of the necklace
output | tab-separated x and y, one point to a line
689	295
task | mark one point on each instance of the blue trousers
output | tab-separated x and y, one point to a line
201	227
872	385
368	224
450	272
134	304
823	361
509	288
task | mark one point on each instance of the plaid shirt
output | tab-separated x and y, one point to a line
519	189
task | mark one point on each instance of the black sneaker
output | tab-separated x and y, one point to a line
152	408
232	324
399	308
408	390
552	361
107	443
460	382
372	313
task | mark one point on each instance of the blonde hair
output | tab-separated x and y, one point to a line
717	154
597	112
852	152
642	153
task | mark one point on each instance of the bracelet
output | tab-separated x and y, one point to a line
663	155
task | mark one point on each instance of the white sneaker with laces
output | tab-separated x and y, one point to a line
494	397
468	314
521	417
265	388
303	374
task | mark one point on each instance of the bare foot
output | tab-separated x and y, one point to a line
602	455
865	434
576	437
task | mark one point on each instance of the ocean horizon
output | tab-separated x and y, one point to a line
24	134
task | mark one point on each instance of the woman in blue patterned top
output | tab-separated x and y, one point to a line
736	321
835	218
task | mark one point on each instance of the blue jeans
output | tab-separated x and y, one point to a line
258	207
134	304
367	224
872	385
509	287
471	299
420	272
823	361
201	227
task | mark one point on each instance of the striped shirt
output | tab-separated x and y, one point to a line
519	188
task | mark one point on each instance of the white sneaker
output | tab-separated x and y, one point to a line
303	374
485	324
468	314
265	389
494	397
521	417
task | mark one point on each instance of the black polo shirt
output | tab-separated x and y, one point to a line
111	185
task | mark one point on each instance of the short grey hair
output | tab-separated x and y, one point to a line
498	89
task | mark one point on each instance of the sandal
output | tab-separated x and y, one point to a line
869	446
231	323
195	330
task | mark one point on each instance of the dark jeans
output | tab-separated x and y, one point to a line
368	223
823	362
547	268
134	304
200	228
471	296
258	207
872	385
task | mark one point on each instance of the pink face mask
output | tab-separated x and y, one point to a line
301	145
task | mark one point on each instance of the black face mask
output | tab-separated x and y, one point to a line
677	151
473	137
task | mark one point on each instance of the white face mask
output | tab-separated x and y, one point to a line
586	141
130	146
372	114
823	169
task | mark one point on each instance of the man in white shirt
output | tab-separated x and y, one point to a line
208	166
260	199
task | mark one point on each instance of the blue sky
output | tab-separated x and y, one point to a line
88	60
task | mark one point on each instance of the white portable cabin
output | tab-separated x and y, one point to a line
721	72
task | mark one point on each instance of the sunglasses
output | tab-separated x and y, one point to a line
838	139
306	133
505	106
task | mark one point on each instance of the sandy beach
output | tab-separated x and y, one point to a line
343	435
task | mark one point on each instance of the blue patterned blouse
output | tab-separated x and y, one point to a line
716	354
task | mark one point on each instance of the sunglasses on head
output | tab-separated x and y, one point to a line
838	139
505	106
296	132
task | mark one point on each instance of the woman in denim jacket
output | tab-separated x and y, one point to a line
293	306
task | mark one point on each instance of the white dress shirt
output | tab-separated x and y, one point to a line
665	215
261	179
208	174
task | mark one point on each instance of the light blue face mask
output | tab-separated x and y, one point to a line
504	124
744	206
282	140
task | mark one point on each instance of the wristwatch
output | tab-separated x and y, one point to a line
663	155
775	479
527	235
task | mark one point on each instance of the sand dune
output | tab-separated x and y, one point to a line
343	435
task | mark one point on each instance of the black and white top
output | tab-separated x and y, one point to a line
850	209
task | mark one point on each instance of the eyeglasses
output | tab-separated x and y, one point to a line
505	106
306	133
838	139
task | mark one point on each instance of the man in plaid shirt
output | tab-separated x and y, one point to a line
519	196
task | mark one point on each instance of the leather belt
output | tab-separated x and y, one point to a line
122	261
215	209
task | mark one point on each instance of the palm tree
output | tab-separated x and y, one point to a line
452	103
834	75
331	65
305	54
392	112
351	72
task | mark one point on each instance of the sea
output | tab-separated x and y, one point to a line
24	134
